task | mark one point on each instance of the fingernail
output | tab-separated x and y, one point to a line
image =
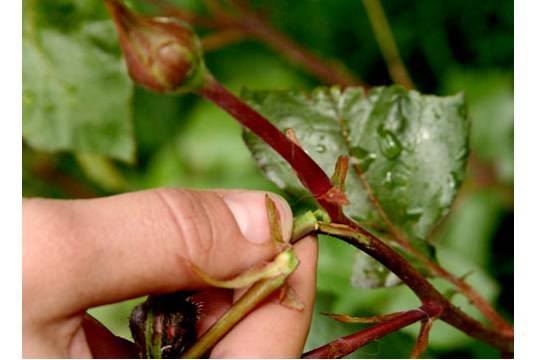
248	209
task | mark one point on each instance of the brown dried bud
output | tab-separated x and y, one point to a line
162	54
164	325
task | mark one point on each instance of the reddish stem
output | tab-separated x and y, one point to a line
348	344
310	174
318	183
418	284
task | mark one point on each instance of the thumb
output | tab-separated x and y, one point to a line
82	253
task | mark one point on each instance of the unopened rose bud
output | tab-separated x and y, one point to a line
164	325
162	54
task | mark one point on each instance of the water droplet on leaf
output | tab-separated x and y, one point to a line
413	214
367	161
321	148
389	145
396	121
362	158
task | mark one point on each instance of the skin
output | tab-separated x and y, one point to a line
78	254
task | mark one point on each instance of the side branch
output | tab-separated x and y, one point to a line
422	340
348	344
370	244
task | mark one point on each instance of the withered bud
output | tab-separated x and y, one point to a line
162	54
164	325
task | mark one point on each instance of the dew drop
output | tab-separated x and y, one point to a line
397	121
366	162
358	152
390	147
362	158
413	214
321	148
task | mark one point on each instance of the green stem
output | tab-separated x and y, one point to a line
386	42
308	223
248	302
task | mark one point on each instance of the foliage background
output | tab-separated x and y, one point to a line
153	141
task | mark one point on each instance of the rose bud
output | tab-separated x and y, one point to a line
162	54
164	325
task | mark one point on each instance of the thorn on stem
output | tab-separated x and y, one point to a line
291	135
289	299
335	196
274	221
361	319
340	172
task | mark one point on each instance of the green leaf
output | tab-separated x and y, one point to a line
408	149
76	93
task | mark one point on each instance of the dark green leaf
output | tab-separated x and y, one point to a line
76	92
408	149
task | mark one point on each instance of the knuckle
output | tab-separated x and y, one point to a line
194	225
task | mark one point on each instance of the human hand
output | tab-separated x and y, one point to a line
78	254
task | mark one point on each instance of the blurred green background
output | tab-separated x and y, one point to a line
447	46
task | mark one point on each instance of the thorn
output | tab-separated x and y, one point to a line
289	299
274	219
360	319
291	135
335	196
340	172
